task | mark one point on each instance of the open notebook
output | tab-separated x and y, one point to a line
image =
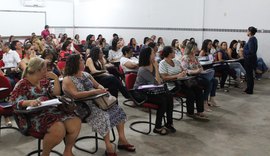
52	102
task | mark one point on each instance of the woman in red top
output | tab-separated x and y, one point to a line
64	53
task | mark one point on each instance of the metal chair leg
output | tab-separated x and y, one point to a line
39	150
149	122
96	142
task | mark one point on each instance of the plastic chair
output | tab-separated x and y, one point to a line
130	81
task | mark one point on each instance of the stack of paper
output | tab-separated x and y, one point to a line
52	102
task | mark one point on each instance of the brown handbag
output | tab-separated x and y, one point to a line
106	101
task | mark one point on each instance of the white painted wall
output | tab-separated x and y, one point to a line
139	13
236	14
59	12
239	14
228	14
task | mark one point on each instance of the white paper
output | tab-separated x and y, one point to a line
52	102
149	86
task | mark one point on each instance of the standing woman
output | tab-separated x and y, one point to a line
250	56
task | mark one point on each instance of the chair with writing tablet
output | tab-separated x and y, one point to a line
25	116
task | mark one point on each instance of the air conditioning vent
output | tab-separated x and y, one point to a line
34	3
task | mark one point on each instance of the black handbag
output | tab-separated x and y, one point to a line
68	105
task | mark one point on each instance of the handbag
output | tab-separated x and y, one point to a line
68	105
105	102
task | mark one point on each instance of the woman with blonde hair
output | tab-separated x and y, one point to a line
54	124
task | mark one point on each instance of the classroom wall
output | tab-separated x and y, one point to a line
56	14
222	19
201	19
239	14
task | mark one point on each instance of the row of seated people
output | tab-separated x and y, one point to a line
30	91
148	73
57	125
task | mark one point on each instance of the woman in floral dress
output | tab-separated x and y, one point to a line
80	84
50	123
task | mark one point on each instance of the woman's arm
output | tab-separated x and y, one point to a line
202	53
95	83
157	76
219	56
131	65
229	52
56	88
70	89
90	65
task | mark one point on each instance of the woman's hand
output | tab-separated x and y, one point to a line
155	64
34	103
199	70
101	91
182	74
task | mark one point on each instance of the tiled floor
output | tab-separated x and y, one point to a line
240	127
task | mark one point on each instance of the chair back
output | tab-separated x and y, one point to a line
130	80
2	64
4	82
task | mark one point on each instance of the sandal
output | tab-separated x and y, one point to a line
201	117
161	131
127	147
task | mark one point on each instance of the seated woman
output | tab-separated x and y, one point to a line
223	69
232	52
49	56
53	123
171	69
127	62
28	53
14	64
80	84
148	74
260	69
95	64
176	47
64	53
134	47
235	67
115	53
190	63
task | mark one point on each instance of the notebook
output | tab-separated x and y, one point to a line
52	102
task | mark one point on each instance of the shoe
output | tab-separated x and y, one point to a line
110	154
212	103
8	124
190	115
170	128
127	147
246	92
161	131
201	117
